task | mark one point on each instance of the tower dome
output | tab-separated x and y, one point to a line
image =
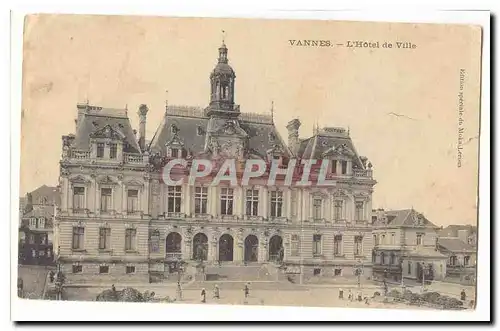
222	83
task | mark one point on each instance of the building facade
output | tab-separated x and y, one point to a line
36	226
120	220
462	258
405	247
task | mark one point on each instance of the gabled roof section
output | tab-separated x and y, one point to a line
40	211
402	218
45	195
95	120
455	245
452	230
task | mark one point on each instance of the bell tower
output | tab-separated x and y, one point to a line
222	86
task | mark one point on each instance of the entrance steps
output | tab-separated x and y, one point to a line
240	285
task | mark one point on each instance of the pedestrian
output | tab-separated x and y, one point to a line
179	291
247	290
113	288
216	292
385	288
341	294
463	296
366	301
203	296
360	296
349	295
51	276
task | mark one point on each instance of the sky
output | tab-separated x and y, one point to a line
400	105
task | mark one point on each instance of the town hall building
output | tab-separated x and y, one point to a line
119	221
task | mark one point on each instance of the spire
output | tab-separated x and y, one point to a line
166	101
272	112
223	49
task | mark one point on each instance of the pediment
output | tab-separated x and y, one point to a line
107	132
134	182
340	193
339	150
175	141
79	179
106	180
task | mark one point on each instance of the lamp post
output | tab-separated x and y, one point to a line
359	270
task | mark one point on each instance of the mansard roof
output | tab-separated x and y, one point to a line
94	122
455	245
402	218
329	140
191	124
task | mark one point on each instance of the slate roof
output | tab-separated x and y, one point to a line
93	121
324	140
455	245
187	119
403	217
452	230
426	252
40	211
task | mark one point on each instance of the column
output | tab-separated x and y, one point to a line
188	246
187	200
264	201
145	206
289	203
299	205
96	195
349	167
123	193
213	200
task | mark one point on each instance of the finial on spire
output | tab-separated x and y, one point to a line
223	36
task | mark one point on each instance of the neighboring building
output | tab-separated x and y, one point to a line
35	227
119	221
466	233
462	257
405	246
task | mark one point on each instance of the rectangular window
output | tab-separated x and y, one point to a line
393	239
33	222
77	268
112	151
103	269
105	200
375	240
175	152
104	238
337	210
132	201
252	202
100	150
32	238
276	203
359	211
130	235
78	198
344	167
295	245
337	272
130	269
41	222
317	204
43	239
419	239
466	260
154	241
358	245
334	166
409	268
316	244
174	195
337	245
226	201
382	239
200	200
78	233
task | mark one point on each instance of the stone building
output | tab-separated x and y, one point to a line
35	227
119	219
405	246
462	258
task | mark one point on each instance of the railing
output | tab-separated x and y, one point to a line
173	256
132	158
362	173
80	155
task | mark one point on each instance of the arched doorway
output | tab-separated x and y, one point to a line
226	243
200	247
276	248
173	245
251	248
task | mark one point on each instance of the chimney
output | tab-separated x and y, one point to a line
463	235
293	135
29	203
143	111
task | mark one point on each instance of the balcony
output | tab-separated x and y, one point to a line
279	220
132	158
80	155
173	256
359	173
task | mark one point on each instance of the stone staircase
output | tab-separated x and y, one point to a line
235	272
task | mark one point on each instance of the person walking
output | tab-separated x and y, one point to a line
349	295
463	296
341	294
360	296
179	291
246	290
203	296
216	292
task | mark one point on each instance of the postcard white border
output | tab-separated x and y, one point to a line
26	310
